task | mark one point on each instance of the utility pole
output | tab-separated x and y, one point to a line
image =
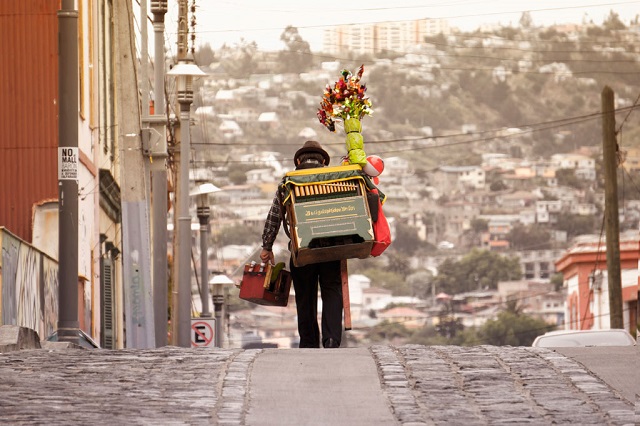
158	152
136	258
610	158
68	325
181	297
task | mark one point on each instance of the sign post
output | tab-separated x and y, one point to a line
68	324
203	332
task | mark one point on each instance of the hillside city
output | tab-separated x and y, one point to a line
135	186
492	149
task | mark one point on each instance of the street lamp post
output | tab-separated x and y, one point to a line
202	198
184	72
218	282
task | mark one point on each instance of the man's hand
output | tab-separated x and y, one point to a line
267	256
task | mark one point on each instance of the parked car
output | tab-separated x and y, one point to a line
445	245
584	338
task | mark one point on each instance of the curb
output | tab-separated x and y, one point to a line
16	338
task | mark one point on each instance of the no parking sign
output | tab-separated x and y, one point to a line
203	332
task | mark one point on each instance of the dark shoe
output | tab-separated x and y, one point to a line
330	343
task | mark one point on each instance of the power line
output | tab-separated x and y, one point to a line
536	127
450	17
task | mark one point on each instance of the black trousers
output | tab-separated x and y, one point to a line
305	282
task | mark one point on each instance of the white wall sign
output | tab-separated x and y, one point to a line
67	163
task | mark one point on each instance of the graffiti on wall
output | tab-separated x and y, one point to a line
27	289
10	249
49	304
29	284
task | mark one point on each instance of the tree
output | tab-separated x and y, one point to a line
575	225
398	263
238	176
297	57
567	177
420	284
479	267
526	21
238	234
472	236
512	328
532	237
448	326
557	280
204	55
388	332
239	61
613	22
406	239
479	225
439	41
628	184
497	185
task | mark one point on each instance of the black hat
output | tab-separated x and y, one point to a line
312	147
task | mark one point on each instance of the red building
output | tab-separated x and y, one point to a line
584	267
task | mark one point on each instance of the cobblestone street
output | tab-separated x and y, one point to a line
481	385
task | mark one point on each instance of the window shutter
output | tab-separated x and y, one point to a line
107	336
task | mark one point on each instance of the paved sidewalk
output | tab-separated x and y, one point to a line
619	367
317	387
381	385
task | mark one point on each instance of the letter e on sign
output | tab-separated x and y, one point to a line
202	332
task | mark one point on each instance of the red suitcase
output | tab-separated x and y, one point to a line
258	287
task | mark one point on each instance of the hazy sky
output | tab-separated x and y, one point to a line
263	21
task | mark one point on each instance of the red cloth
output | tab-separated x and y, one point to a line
381	231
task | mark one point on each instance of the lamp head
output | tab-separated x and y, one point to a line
185	71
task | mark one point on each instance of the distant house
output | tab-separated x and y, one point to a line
493	158
535	298
538	264
244	114
498	227
395	166
459	215
560	71
500	74
516	200
632	162
448	179
373	297
232	194
357	285
521	177
308	133
269	158
409	317
545	209
469	128
585	167
205	111
566	195
527	216
261	175
230	129
269	120
224	96
583	209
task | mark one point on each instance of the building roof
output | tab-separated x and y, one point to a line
402	312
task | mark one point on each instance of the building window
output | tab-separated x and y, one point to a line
544	269
529	271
